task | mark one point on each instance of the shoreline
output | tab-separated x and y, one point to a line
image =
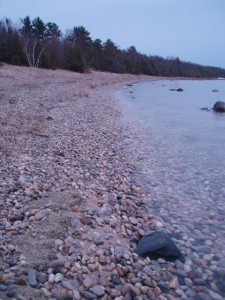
72	204
65	182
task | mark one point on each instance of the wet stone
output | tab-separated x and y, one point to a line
158	244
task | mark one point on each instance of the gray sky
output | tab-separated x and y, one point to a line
193	30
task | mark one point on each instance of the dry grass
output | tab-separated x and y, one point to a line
83	92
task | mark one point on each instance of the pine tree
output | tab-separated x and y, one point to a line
74	59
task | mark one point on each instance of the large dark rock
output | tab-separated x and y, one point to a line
219	106
158	244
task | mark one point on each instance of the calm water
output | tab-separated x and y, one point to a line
176	116
173	121
185	148
181	150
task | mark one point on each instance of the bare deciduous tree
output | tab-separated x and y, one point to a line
33	35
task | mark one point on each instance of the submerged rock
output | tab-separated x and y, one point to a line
219	106
205	108
158	244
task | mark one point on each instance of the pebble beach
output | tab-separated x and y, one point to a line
73	197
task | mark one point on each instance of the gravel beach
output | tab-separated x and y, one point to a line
73	198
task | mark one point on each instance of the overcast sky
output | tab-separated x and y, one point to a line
193	30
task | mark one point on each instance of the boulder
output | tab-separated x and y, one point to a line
219	106
158	244
179	90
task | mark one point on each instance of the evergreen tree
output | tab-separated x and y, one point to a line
74	59
109	56
79	36
41	45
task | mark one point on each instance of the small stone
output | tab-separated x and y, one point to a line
58	277
76	295
119	251
215	296
51	278
58	242
174	283
126	289
102	259
161	261
87	283
133	221
188	282
114	293
57	263
11	247
91	267
207	257
157	291
67	284
135	290
199	282
98	290
86	221
201	296
42	214
10	294
116	279
98	242
89	295
3	287
159	224
42	277
21	281
32	278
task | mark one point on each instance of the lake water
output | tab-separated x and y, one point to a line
186	137
183	161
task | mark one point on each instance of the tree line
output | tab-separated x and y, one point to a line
37	44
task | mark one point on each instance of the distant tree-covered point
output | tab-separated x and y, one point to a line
37	44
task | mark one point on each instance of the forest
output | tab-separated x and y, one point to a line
37	44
